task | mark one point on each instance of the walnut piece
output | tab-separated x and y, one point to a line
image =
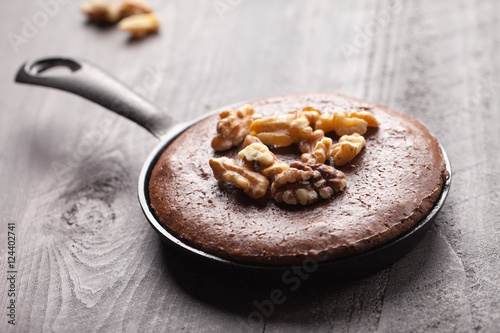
111	12
134	7
140	24
256	152
316	150
308	144
309	112
281	130
347	148
233	127
341	123
305	184
101	11
249	139
366	116
227	170
257	155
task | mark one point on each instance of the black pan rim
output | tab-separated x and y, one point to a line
412	236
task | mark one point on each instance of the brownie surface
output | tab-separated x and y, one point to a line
391	185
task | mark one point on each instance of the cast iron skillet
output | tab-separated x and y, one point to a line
93	84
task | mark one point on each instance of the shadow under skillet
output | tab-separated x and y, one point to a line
236	289
253	296
320	299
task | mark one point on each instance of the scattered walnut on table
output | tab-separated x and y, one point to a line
316	149
233	127
305	184
256	154
347	148
111	12
281	130
101	11
134	7
140	24
227	170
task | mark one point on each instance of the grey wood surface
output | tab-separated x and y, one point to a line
86	258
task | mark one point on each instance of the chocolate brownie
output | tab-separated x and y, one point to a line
391	185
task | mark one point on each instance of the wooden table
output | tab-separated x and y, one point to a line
85	256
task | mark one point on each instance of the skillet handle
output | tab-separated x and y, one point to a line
93	84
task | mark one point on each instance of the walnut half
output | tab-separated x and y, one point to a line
310	113
227	170
316	149
140	24
366	116
305	184
256	154
233	127
347	148
344	123
282	130
106	11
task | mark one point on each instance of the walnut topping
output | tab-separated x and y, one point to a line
341	123
249	139
233	127
316	149
258	154
310	113
309	144
347	148
111	12
305	184
139	25
300	182
281	130
366	116
227	170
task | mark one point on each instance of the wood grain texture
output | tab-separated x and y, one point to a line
87	259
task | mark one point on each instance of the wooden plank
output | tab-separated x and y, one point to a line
87	259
